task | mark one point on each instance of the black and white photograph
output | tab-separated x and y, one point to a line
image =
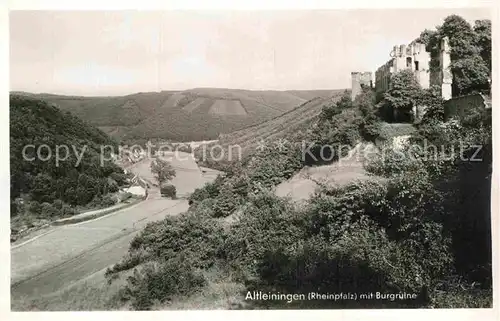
323	159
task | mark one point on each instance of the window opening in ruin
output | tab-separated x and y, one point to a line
408	62
416	65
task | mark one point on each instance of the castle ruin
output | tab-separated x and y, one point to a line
430	72
414	57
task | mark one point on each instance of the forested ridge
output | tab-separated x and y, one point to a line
43	186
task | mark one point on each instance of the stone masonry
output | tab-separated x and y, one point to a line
360	79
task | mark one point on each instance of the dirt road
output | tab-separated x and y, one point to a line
73	252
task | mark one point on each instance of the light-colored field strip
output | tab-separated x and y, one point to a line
227	107
172	101
193	105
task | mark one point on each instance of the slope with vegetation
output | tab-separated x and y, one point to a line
45	188
423	229
251	138
403	234
189	115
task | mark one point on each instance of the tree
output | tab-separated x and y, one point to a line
470	53
434	103
162	170
401	97
470	75
462	38
482	28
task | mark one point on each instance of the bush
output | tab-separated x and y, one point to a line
267	223
270	167
67	210
168	191
368	235
329	138
19	206
159	282
226	202
205	207
361	261
107	200
119	178
47	210
34	207
58	204
391	161
112	186
196	237
209	190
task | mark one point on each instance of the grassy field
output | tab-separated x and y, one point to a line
340	173
68	241
194	114
89	294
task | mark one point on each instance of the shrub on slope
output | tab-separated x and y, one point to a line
167	257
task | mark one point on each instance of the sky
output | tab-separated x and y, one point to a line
124	52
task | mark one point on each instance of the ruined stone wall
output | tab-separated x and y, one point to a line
359	79
441	76
383	77
414	57
460	106
404	57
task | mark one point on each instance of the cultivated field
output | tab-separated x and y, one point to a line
192	106
227	107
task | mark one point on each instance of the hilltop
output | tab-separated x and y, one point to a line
194	114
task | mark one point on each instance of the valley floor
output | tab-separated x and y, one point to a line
62	260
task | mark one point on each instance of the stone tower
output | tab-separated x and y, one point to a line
445	61
358	79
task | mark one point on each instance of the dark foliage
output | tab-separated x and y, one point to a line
160	282
169	191
34	122
162	170
470	53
